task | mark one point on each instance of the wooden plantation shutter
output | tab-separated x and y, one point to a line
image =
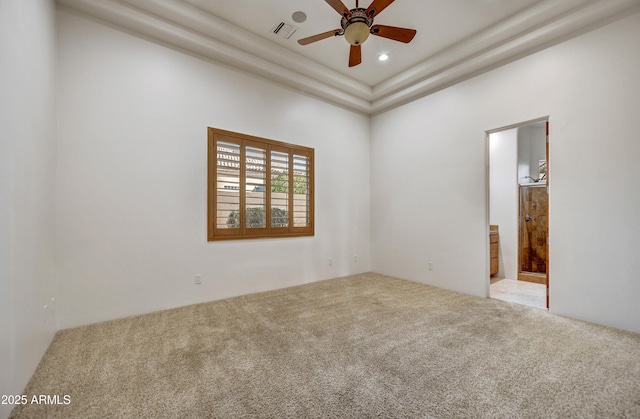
280	188
302	182
255	192
258	188
226	188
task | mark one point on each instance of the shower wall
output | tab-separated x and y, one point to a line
533	229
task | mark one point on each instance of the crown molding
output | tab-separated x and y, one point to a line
185	27
570	24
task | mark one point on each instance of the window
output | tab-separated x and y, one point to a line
258	188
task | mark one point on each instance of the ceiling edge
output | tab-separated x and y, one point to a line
190	17
510	28
593	15
210	37
130	18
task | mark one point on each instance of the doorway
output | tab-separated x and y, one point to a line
517	196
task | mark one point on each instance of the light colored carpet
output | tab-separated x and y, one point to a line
355	347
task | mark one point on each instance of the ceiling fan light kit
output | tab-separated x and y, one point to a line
357	25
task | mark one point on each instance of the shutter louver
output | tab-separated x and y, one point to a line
279	189
301	189
255	190
228	185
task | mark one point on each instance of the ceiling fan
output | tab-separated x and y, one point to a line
357	24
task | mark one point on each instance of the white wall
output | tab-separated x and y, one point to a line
132	178
589	86
27	172
503	198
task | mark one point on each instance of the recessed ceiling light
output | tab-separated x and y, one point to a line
383	57
299	16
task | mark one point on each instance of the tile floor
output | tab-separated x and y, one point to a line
521	292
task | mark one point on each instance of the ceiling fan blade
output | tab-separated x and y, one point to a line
339	7
319	37
355	55
377	6
391	32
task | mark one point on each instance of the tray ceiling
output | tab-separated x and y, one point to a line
456	39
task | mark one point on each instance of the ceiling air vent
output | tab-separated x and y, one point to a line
284	29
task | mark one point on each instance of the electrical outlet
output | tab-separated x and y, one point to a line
330	261
198	279
430	266
355	258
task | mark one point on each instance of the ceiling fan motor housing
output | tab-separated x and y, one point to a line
356	27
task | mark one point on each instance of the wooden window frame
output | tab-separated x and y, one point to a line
214	233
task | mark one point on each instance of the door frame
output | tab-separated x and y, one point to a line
546	119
